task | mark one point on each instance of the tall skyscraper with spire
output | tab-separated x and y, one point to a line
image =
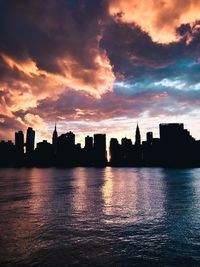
55	140
137	136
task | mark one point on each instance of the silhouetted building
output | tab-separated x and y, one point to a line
55	140
100	149
88	152
171	132
88	143
137	136
149	137
30	140
126	142
151	151
177	145
126	151
116	154
44	154
7	154
19	142
66	150
70	138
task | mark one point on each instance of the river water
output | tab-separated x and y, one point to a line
100	217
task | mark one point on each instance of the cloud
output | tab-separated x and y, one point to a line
47	49
96	63
128	101
8	126
132	51
159	19
38	124
58	42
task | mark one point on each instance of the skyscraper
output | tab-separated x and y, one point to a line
66	151
30	140
55	140
70	138
137	136
88	155
100	149
19	142
115	152
149	137
171	132
88	142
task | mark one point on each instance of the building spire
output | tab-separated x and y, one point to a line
55	139
137	136
55	130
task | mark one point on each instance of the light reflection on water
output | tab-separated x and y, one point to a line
139	198
99	217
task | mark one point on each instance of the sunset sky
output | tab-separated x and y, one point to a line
97	66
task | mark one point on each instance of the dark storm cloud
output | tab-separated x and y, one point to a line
133	53
47	30
128	43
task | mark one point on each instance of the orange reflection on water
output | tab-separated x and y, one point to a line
131	198
107	189
118	199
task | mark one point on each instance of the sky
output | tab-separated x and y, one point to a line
99	66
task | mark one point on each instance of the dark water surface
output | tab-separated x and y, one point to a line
100	217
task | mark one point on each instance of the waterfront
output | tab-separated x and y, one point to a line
100	217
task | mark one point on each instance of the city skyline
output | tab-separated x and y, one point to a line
81	141
98	66
175	147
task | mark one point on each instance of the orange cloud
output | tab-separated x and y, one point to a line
28	66
36	84
38	124
159	18
26	85
96	80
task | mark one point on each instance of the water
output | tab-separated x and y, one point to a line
100	217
